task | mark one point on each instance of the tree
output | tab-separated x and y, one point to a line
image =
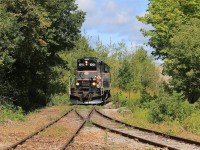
183	62
169	20
125	76
138	72
143	71
30	42
165	18
81	49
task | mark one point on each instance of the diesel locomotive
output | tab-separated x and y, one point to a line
92	85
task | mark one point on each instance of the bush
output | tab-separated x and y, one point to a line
146	100
59	99
8	111
169	108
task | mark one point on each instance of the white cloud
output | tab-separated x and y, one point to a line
114	18
110	5
86	5
123	18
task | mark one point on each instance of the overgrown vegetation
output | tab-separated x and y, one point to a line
174	38
165	108
169	108
10	112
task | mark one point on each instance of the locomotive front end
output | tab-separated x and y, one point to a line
88	88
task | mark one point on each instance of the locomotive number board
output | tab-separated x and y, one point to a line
86	65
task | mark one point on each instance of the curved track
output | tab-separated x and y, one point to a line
37	132
146	135
75	121
52	136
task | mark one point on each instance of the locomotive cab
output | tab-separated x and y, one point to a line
92	84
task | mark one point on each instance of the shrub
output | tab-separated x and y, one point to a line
146	100
59	99
11	112
169	108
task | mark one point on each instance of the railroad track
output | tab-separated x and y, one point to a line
144	135
36	140
98	119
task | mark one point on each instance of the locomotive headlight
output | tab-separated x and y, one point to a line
93	84
86	63
77	84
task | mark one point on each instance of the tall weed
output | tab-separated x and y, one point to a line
192	123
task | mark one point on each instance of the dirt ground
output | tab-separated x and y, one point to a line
89	138
13	131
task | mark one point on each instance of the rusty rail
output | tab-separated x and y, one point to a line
151	131
35	133
128	135
77	131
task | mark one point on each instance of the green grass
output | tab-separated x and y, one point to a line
55	131
59	99
124	98
10	112
188	128
88	123
192	123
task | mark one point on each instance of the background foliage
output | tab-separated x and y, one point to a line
174	37
33	33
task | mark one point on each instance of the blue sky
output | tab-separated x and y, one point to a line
114	20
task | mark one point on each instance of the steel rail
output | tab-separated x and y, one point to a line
128	135
151	131
80	127
35	133
133	137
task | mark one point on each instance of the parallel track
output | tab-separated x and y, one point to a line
127	135
151	132
94	114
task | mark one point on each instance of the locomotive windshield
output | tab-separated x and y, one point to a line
86	75
84	64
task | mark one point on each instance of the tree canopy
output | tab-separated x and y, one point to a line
165	18
183	62
174	38
138	72
32	33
